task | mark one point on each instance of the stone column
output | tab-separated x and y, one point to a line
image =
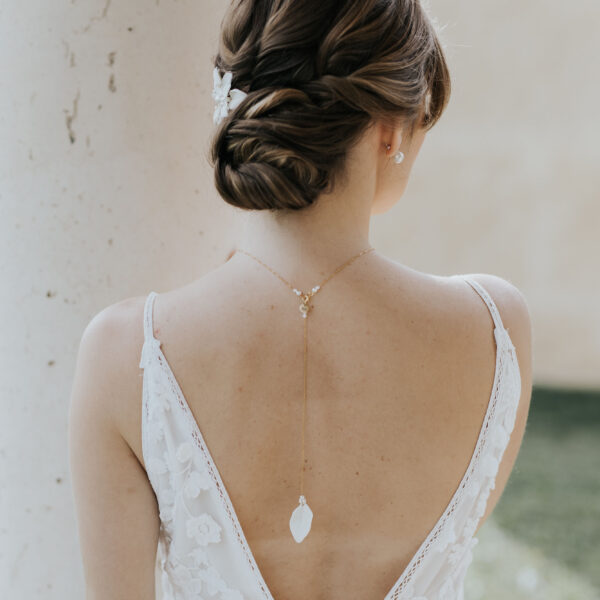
105	193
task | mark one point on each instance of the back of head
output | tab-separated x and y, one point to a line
317	73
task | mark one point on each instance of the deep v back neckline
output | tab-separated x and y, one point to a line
417	558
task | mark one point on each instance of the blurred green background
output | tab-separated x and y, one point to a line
543	539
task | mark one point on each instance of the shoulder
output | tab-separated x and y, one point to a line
114	335
510	302
107	380
514	312
516	319
112	320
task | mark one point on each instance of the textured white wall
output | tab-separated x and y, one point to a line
105	192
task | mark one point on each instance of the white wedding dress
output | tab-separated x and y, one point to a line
202	550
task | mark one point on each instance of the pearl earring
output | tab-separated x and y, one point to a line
398	157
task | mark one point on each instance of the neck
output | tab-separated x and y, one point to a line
311	242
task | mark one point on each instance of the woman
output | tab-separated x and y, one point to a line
314	420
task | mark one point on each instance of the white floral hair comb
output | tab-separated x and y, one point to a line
226	99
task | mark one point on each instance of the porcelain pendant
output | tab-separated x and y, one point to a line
301	520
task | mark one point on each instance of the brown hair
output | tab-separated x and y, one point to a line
317	74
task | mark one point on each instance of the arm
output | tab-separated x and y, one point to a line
116	508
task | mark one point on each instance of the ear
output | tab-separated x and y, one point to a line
392	135
395	141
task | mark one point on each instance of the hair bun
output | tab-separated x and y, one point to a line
265	159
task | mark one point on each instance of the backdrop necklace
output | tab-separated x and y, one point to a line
301	519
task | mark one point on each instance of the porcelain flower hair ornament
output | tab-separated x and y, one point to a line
226	99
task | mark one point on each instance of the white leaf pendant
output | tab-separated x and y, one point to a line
301	520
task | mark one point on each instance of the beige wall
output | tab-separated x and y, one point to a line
508	181
105	193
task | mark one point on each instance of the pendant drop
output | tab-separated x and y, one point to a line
305	306
301	520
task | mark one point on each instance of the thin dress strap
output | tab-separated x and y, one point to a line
501	335
487	299
149	339
148	327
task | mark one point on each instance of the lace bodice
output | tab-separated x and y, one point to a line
202	550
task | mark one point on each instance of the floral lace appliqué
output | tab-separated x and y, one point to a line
204	529
179	477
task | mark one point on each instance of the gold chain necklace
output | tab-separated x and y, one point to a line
301	519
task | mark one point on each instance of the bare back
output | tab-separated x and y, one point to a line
400	371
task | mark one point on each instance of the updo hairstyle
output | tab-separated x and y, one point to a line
317	74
